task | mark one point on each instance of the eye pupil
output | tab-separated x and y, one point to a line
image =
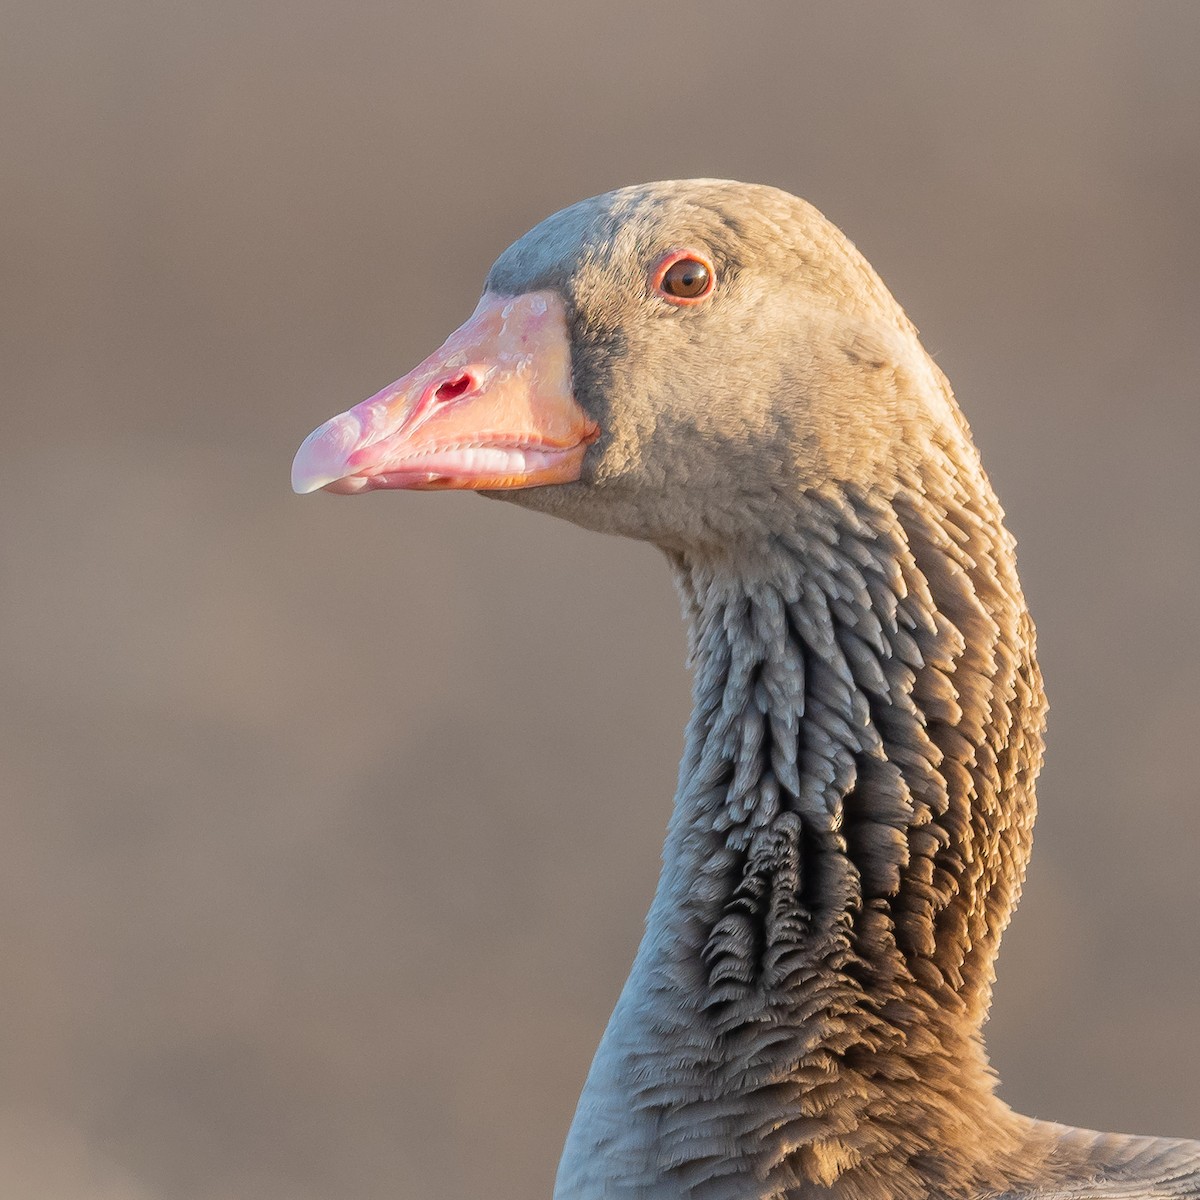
686	279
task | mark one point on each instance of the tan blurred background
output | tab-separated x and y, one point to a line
329	825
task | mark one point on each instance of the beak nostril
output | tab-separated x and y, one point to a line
453	388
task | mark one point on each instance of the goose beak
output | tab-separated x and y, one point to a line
493	408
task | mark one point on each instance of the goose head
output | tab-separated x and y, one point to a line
664	362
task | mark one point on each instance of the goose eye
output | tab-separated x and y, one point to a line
685	277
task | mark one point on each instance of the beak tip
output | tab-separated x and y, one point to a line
308	476
322	457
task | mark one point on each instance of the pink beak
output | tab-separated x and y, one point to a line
492	408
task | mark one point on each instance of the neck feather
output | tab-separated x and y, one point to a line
850	834
860	759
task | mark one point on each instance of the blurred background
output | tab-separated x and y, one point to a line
329	826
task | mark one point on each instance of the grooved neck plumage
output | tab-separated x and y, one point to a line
849	837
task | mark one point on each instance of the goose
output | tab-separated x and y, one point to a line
712	367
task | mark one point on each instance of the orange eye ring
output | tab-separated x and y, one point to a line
684	277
